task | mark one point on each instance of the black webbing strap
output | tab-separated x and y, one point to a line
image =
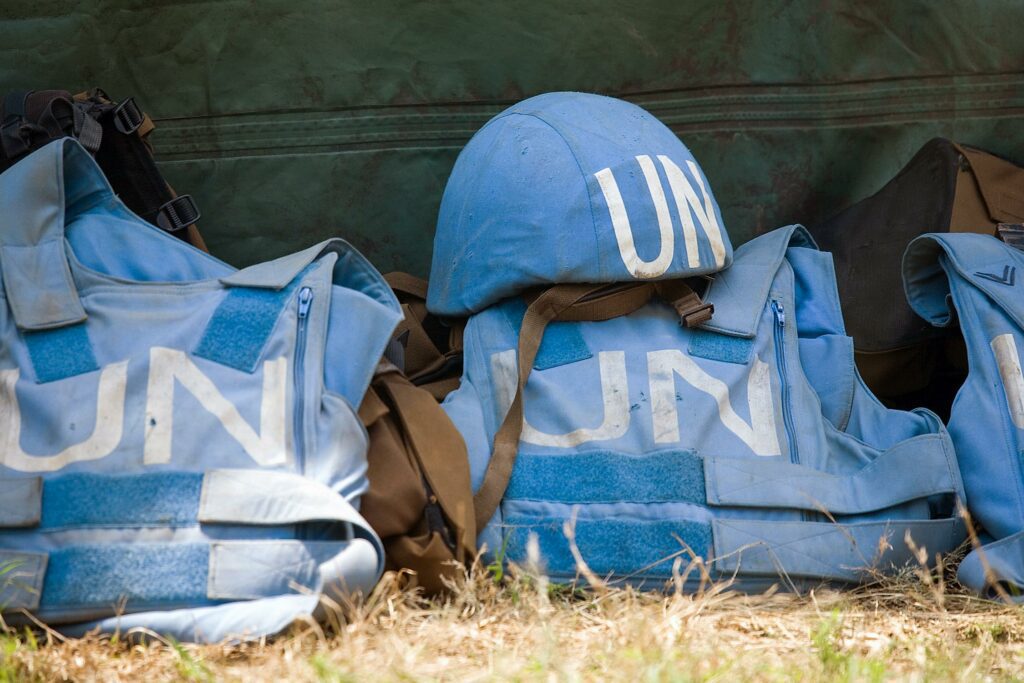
12	134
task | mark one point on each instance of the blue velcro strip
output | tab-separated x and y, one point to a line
611	546
241	325
97	500
144	574
720	347
609	477
562	342
60	353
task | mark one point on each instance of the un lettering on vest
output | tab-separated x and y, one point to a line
1008	361
688	206
664	367
168	369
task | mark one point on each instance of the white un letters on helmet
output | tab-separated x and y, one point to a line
687	204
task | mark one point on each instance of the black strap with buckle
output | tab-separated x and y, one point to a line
178	214
11	129
127	116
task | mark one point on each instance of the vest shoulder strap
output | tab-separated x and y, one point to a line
983	262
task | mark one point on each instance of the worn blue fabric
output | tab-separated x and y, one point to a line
154	398
670	440
976	281
571	187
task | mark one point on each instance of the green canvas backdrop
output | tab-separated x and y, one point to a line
291	120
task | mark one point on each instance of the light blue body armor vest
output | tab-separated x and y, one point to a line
178	445
750	442
978	280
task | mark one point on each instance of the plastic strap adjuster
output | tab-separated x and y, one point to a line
178	214
127	116
697	316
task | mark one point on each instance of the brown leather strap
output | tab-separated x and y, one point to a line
429	363
404	282
569	302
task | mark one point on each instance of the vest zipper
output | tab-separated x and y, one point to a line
305	301
780	358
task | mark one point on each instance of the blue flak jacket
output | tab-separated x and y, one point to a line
179	448
750	442
976	281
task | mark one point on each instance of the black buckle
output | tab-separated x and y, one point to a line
178	214
128	117
1012	234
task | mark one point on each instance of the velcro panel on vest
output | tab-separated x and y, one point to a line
561	344
239	329
21	579
606	477
911	470
60	353
609	545
739	293
826	550
95	578
720	347
165	499
170	499
20	503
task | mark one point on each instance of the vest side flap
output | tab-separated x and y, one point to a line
739	292
983	261
37	280
21	502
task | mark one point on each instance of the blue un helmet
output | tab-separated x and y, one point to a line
571	187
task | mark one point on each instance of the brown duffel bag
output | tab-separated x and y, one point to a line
946	187
420	501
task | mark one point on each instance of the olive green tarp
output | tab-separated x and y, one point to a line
291	120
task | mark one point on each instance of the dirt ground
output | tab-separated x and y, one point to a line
915	627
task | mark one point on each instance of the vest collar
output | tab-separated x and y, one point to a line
741	291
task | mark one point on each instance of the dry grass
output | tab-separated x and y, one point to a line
521	628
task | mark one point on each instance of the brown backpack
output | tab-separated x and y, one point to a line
420	501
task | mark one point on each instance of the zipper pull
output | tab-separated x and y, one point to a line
780	313
305	301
